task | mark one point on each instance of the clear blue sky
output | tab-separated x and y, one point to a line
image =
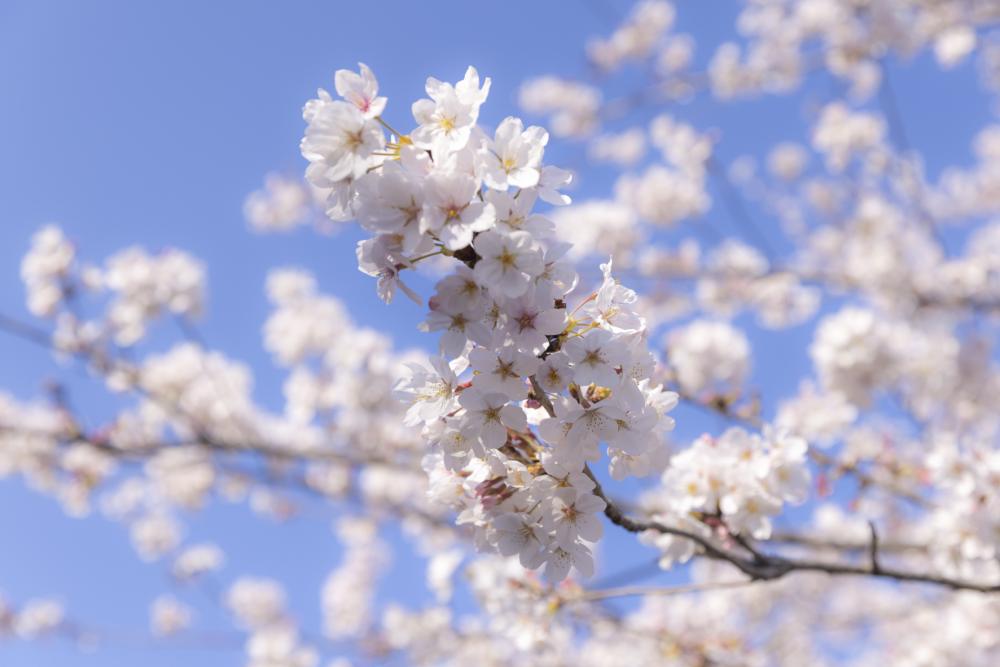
148	123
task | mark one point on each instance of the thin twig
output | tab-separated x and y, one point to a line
873	549
542	397
763	567
635	591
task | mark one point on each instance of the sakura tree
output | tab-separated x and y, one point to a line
587	376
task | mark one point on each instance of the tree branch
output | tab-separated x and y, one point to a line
764	567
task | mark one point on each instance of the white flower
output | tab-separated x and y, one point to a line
675	548
339	141
598	422
147	285
507	262
491	415
154	535
381	257
596	355
391	200
555	374
459	327
614	306
529	324
819	417
842	135
563	557
282	204
515	156
460	291
504	371
446	120
550	182
450	211
748	512
573	516
430	392
560	475
521	535
514	214
361	90
786	474
952	45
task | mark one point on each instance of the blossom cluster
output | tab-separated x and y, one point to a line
742	477
833	288
505	313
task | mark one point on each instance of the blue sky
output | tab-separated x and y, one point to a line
148	123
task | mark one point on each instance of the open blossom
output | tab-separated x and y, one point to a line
361	90
391	201
574	516
598	422
614	307
278	646
504	371
552	181
447	118
450	213
491	414
596	357
507	262
339	142
843	135
530	324
460	325
430	392
520	535
515	214
562	558
381	258
514	158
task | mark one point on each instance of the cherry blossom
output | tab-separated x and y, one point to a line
815	305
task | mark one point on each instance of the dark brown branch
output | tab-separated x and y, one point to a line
764	567
873	549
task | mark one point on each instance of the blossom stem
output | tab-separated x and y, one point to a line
414	260
389	127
